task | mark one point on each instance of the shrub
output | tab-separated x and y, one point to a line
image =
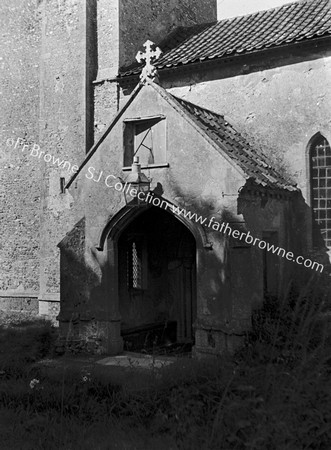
292	329
25	343
273	394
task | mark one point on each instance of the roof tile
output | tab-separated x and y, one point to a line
289	23
252	162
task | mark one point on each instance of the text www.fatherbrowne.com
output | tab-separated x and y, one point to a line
225	228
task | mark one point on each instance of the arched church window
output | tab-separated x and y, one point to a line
320	183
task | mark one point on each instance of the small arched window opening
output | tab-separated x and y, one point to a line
320	185
135	266
136	263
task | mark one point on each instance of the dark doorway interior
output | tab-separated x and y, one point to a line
157	283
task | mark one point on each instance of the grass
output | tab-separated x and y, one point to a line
275	393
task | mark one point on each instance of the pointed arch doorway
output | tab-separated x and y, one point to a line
157	283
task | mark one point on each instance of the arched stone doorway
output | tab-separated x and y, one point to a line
156	282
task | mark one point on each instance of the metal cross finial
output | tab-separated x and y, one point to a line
149	71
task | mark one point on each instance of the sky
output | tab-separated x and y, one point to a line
232	8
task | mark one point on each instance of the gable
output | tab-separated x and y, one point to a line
187	144
229	143
151	104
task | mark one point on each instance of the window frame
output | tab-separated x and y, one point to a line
141	239
313	143
129	128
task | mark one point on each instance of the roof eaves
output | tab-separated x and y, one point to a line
244	159
220	58
287	24
218	146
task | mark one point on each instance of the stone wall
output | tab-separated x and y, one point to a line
123	27
140	20
67	71
20	178
20	303
49	63
53	51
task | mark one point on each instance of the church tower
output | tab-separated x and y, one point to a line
122	28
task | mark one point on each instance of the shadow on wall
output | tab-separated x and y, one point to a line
86	305
214	306
301	234
77	280
232	280
230	274
307	232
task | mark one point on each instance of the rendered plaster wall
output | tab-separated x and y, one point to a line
66	73
105	92
100	203
107	13
278	108
196	177
105	105
20	178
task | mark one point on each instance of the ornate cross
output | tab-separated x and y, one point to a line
149	71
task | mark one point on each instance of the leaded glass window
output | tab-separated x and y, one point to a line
136	264
320	163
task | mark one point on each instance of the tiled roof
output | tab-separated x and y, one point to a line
291	23
171	41
252	162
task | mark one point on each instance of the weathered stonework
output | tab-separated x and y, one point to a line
106	105
155	19
20	177
59	82
278	100
229	278
49	63
20	303
65	109
123	27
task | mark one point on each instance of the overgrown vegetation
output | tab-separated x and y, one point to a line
275	393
